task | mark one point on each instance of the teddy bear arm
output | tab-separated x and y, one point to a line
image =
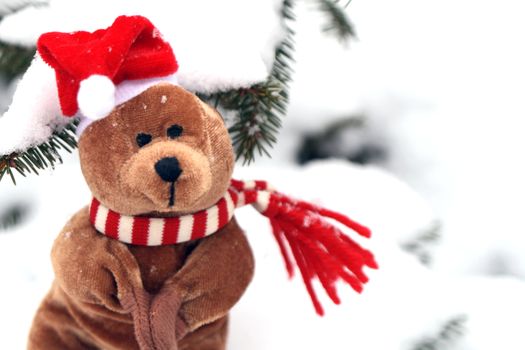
214	277
89	267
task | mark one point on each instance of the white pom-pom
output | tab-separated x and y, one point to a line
96	97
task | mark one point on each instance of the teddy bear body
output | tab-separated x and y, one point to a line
108	294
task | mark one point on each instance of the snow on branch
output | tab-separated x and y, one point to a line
10	6
39	157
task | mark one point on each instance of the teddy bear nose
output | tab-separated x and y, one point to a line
168	169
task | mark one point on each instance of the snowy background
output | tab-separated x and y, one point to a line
437	88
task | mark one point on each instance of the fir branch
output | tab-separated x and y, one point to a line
338	23
449	334
40	157
13	216
261	107
421	245
14	60
342	139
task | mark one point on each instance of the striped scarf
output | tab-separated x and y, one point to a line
318	248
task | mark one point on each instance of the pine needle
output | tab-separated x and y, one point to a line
448	336
14	60
338	23
15	214
40	157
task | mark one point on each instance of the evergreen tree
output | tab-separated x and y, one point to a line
258	109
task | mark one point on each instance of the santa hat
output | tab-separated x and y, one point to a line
97	71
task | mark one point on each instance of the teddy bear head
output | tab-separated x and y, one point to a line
163	152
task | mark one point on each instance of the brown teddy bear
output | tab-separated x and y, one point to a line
106	290
158	260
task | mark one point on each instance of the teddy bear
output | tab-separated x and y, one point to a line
157	260
106	291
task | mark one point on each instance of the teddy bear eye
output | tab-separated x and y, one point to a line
174	131
143	139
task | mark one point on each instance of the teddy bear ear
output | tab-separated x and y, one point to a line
34	113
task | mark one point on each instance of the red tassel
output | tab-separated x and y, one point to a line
320	249
305	236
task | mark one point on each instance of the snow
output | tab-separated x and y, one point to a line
26	124
442	86
28	270
442	92
10	6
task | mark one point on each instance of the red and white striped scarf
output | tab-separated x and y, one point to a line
320	249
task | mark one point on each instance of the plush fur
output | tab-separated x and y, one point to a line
109	295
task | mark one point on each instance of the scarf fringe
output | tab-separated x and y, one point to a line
309	241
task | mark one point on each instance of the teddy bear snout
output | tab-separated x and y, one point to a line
167	176
168	169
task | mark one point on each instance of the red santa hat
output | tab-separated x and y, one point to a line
97	71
